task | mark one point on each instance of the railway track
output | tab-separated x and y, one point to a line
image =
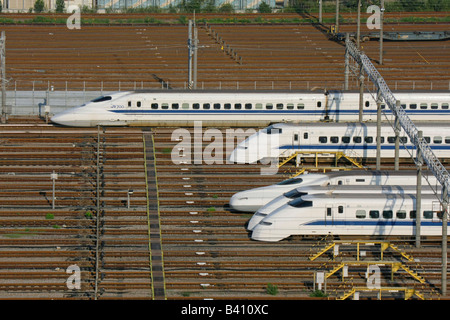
207	251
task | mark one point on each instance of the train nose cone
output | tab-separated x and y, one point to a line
62	118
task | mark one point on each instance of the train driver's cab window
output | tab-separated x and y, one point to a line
272	130
290	181
103	98
360	214
300	203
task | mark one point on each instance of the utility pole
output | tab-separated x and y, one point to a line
419	188
358	31
4	116
379	99
320	11
192	55
347	62
444	237
381	31
337	16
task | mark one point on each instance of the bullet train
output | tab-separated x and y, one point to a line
351	214
355	139
297	194
253	199
237	108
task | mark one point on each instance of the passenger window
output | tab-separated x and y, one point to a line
427	139
368	139
258	106
279	106
237	106
129	103
437	140
323	139
227	106
345	139
444	106
216	106
138	104
447	139
206	106
154	106
295	137
175	105
163	106
305	135
269	106
412	214
387	214
319	104
360	214
374	214
391	139
328	212
248	106
185	105
196	106
334	139
434	106
357	139
367	104
383	106
300	106
413	106
428	214
423	106
403	139
340	209
401	214
290	106
403	106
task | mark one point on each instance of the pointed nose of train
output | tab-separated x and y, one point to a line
72	118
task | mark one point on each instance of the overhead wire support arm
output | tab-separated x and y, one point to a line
408	126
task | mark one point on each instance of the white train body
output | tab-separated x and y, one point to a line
357	140
253	199
351	214
240	108
298	193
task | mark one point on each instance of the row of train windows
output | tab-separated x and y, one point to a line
226	106
388	214
399	214
423	106
357	139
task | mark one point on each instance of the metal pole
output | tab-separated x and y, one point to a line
361	93
397	137
53	193
190	55
444	238
320	11
347	62
337	16
358	31
379	98
3	71
97	253
381	31
419	189
194	76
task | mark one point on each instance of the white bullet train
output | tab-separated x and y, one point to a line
253	199
296	195
240	108
351	214
355	139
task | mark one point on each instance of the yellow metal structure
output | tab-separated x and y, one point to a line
408	292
